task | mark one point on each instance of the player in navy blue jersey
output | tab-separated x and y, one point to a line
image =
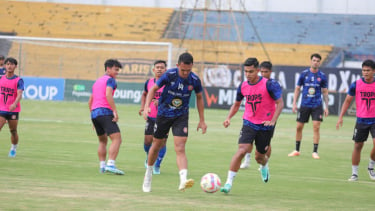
173	112
314	84
2	68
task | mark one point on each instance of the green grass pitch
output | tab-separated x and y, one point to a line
57	168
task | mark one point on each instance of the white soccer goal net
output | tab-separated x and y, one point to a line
84	59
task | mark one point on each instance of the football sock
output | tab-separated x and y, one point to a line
230	178
110	163
354	170
102	164
248	156
371	164
13	147
146	147
149	170
161	156
298	144
316	148
183	175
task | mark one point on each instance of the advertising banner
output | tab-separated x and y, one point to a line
43	88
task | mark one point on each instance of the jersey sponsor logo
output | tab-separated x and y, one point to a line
368	97
253	101
311	91
176	102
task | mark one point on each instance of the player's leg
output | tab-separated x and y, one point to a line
113	132
148	137
317	118
13	123
246	161
371	163
159	160
262	143
246	139
102	152
360	135
303	116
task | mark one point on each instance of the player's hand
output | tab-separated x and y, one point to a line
326	112
140	112
115	117
268	123
339	123
226	123
145	113
156	102
294	109
12	107
203	126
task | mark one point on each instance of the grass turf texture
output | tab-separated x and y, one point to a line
57	168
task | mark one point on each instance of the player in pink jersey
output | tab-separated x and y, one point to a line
363	90
265	71
259	119
158	69
104	116
11	89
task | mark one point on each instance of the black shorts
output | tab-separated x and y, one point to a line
104	124
262	138
150	127
179	126
361	132
9	115
304	113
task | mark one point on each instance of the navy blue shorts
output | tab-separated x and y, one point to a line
262	138
105	125
178	124
150	127
9	115
304	114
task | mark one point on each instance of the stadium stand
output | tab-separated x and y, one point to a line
289	38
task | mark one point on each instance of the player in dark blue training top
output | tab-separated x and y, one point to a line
314	83
173	112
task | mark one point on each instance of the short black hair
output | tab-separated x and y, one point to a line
11	60
111	63
2	57
316	55
251	62
185	58
266	64
160	61
369	63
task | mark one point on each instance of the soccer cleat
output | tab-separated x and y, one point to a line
226	189
264	172
294	153
156	170
101	170
315	155
12	153
146	187
113	170
245	165
185	185
371	173
353	178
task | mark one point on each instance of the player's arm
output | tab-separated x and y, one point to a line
297	90
279	107
233	110
18	99
143	101
149	97
200	105
90	102
325	99
111	102
344	108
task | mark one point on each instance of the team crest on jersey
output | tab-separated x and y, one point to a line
311	90
190	87
319	79
176	102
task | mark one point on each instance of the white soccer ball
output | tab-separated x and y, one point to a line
210	183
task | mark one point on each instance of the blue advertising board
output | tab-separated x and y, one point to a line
44	88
